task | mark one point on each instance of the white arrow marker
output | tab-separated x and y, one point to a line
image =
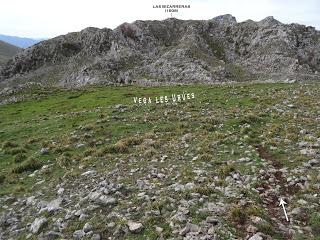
282	203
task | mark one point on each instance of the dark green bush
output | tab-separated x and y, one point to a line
315	222
9	144
238	215
29	165
2	178
20	157
15	151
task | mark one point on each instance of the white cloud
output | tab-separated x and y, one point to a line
39	18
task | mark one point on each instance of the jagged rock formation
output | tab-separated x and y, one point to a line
172	51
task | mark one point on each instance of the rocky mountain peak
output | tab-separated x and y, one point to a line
172	51
226	18
269	21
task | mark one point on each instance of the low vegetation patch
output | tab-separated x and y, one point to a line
29	165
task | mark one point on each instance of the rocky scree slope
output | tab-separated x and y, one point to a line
213	168
171	51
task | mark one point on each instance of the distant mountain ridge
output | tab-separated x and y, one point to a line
20	42
7	51
172	51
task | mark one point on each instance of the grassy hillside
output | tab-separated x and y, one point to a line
214	165
20	42
7	51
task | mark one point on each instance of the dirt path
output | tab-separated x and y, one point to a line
270	196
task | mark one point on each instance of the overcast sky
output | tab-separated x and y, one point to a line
45	19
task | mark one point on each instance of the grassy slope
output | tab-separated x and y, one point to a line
224	122
7	51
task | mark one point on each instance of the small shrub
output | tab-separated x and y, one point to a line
100	153
315	222
120	147
150	153
149	135
148	143
14	151
219	136
9	144
20	157
19	189
64	161
151	221
131	141
159	205
205	157
45	144
88	127
205	190
224	171
61	149
30	165
238	215
33	140
143	147
74	96
212	120
250	119
187	194
266	228
158	143
209	127
2	179
89	152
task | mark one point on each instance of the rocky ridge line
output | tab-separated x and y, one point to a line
171	51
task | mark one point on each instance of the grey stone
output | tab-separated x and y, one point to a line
256	236
83	217
87	173
44	151
54	205
251	229
159	229
106	200
135	227
314	162
190	228
189	186
38	224
87	227
31	201
60	191
52	235
78	234
212	220
96	236
7	220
